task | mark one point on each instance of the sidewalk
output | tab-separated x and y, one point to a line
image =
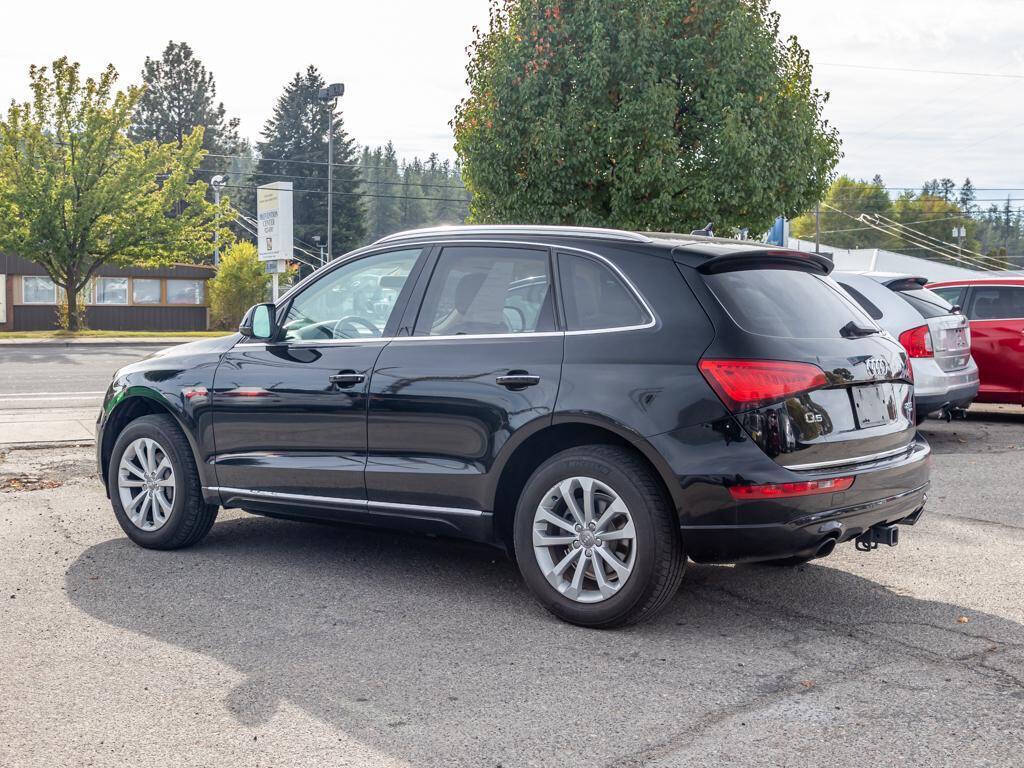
102	341
48	427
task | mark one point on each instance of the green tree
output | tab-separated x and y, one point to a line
179	95
81	194
294	148
641	114
846	200
241	281
931	217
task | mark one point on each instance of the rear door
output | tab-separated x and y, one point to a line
482	368
996	313
861	409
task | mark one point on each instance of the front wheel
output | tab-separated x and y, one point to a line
596	540
154	486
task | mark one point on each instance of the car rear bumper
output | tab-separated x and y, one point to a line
884	492
960	397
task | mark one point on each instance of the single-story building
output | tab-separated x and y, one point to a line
166	299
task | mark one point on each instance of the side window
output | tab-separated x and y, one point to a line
954	294
997	302
353	301
487	290
595	297
860	298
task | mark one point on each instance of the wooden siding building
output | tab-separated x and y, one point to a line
166	299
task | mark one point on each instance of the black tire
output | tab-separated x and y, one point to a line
659	560
190	518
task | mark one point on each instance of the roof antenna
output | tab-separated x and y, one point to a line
708	231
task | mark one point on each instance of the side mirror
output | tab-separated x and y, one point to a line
260	322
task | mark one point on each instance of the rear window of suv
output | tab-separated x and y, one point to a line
785	302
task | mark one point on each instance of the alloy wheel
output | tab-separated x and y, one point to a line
145	484
584	539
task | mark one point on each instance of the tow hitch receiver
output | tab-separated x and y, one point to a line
878	534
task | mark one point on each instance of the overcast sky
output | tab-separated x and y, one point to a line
403	64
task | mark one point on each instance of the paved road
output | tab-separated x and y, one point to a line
284	644
40	378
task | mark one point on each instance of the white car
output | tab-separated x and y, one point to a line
935	334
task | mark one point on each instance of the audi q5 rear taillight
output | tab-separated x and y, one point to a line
746	384
918	342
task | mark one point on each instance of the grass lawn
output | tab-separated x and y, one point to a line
106	334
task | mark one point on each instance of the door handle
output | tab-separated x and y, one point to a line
518	380
344	379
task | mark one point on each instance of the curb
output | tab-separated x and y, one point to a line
84	443
118	342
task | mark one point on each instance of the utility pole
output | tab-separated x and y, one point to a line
960	232
330	96
817	222
217	182
318	242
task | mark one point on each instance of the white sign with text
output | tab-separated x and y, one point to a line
274	214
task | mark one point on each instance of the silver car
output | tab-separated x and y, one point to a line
935	334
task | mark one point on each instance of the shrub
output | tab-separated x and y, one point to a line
241	281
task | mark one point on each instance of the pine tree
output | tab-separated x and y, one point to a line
180	94
294	148
967	196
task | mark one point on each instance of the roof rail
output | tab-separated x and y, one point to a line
517	229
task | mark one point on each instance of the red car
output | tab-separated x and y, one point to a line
995	307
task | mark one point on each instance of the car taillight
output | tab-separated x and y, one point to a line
746	384
784	490
918	342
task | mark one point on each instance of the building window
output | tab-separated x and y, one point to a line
185	292
38	290
111	290
146	290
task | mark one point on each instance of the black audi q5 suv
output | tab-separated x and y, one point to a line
601	404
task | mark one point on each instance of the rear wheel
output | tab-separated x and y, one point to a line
155	488
596	540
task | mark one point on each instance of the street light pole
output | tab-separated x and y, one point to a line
217	182
330	96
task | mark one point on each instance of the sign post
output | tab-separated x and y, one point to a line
275	234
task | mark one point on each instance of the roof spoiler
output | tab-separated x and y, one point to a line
768	258
905	283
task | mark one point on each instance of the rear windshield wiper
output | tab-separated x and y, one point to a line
853	331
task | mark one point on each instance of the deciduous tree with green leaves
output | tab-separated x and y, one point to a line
641	114
78	193
846	200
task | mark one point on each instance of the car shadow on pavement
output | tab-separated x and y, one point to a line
420	646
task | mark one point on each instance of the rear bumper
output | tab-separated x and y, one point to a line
960	397
935	389
887	491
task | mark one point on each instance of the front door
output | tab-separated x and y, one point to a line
997	341
290	416
484	361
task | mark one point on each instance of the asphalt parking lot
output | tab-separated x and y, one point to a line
283	644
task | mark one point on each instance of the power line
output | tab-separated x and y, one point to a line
973	263
319	178
960	250
919	71
361	194
292	160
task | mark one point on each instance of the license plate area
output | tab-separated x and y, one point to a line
954	339
874	404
